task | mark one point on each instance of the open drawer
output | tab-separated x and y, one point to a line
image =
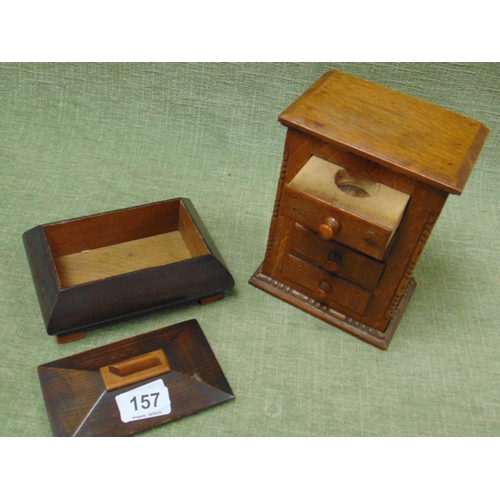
344	206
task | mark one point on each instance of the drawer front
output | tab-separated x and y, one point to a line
336	258
324	287
344	205
361	234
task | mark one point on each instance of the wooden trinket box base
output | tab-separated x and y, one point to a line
106	267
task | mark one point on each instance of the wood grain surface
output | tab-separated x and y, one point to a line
99	263
419	139
368	169
78	403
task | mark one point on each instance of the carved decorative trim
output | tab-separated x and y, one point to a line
424	236
400	308
332	316
281	181
325	312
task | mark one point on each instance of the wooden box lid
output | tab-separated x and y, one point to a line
83	398
413	137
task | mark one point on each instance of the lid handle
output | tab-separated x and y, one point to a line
133	370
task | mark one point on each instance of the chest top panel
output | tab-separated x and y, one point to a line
424	141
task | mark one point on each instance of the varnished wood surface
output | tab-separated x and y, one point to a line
424	199
119	297
333	316
361	234
111	228
69	337
381	204
426	142
401	256
77	401
309	279
43	272
192	239
352	266
209	300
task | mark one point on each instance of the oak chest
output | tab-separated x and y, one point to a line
365	174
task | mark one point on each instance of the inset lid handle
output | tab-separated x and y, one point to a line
133	370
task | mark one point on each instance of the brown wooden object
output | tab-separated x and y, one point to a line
365	174
110	266
134	370
69	337
80	391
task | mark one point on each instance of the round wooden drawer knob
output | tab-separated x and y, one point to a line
333	262
323	289
329	227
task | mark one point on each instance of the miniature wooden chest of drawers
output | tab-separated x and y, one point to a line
365	174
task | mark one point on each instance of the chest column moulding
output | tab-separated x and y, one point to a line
365	174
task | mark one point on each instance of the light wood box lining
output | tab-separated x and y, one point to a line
98	247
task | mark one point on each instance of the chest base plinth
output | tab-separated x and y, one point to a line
332	316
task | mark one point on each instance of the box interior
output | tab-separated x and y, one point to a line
106	245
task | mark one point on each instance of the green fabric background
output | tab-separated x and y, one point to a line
79	139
